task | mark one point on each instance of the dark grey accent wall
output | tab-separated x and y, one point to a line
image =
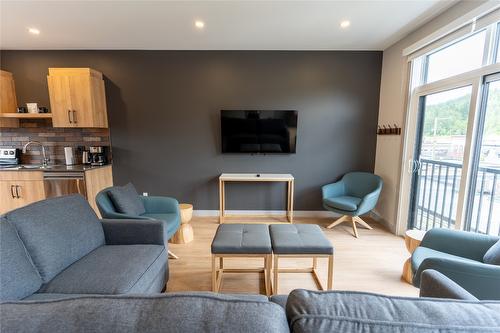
164	116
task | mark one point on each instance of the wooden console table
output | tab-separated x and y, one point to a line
252	177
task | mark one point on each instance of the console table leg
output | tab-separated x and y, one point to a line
291	201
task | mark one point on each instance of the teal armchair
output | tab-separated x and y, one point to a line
459	256
355	194
158	208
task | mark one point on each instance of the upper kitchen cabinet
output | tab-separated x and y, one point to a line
77	98
8	100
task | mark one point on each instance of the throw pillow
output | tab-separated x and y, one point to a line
126	200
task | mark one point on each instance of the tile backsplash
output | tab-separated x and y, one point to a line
54	139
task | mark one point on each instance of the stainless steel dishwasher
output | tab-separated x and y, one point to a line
64	183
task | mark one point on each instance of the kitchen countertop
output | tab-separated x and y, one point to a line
52	167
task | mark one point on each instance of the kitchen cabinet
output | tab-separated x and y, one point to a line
20	188
8	99
77	98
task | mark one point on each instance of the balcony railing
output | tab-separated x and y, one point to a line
438	186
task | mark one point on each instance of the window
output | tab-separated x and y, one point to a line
498	43
451	177
462	56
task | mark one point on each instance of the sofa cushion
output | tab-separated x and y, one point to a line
312	311
421	253
126	200
112	269
492	256
18	277
57	232
175	312
345	202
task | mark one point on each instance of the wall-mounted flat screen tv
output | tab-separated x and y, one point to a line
259	131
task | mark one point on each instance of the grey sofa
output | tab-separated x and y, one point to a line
58	248
302	311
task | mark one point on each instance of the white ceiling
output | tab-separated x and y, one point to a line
229	25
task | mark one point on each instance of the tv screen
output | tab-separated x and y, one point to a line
259	131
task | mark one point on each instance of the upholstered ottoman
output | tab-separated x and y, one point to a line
241	240
301	241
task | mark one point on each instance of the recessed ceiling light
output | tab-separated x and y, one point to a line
34	31
199	24
345	24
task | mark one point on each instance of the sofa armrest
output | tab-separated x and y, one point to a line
460	243
479	279
159	205
437	285
333	190
128	232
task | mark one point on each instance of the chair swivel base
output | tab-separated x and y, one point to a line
353	220
172	255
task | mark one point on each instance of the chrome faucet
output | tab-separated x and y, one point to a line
44	154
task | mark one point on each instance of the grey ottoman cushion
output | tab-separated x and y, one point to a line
57	232
112	269
311	311
126	200
492	256
299	239
18	277
200	312
242	238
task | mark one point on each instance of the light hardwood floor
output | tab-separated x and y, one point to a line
372	263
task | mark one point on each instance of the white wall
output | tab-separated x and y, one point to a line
393	93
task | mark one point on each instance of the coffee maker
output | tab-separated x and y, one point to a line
98	155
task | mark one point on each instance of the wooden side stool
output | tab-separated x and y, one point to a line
241	241
412	241
185	232
300	241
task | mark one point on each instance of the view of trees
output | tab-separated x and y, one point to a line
452	116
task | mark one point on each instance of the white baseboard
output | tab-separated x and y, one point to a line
296	213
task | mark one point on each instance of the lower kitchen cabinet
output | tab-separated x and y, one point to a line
20	188
20	193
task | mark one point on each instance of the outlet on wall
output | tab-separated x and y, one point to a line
144	194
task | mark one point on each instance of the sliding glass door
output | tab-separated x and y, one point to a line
437	162
483	210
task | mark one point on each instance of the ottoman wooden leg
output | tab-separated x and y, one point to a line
214	273
276	268
330	272
267	263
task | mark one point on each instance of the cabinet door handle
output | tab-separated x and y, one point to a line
18	191
69	116
12	191
74	117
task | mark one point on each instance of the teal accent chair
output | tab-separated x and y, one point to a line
459	256
354	195
158	208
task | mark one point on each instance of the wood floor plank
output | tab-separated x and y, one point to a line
373	262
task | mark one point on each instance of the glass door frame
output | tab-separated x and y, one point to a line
476	149
474	79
